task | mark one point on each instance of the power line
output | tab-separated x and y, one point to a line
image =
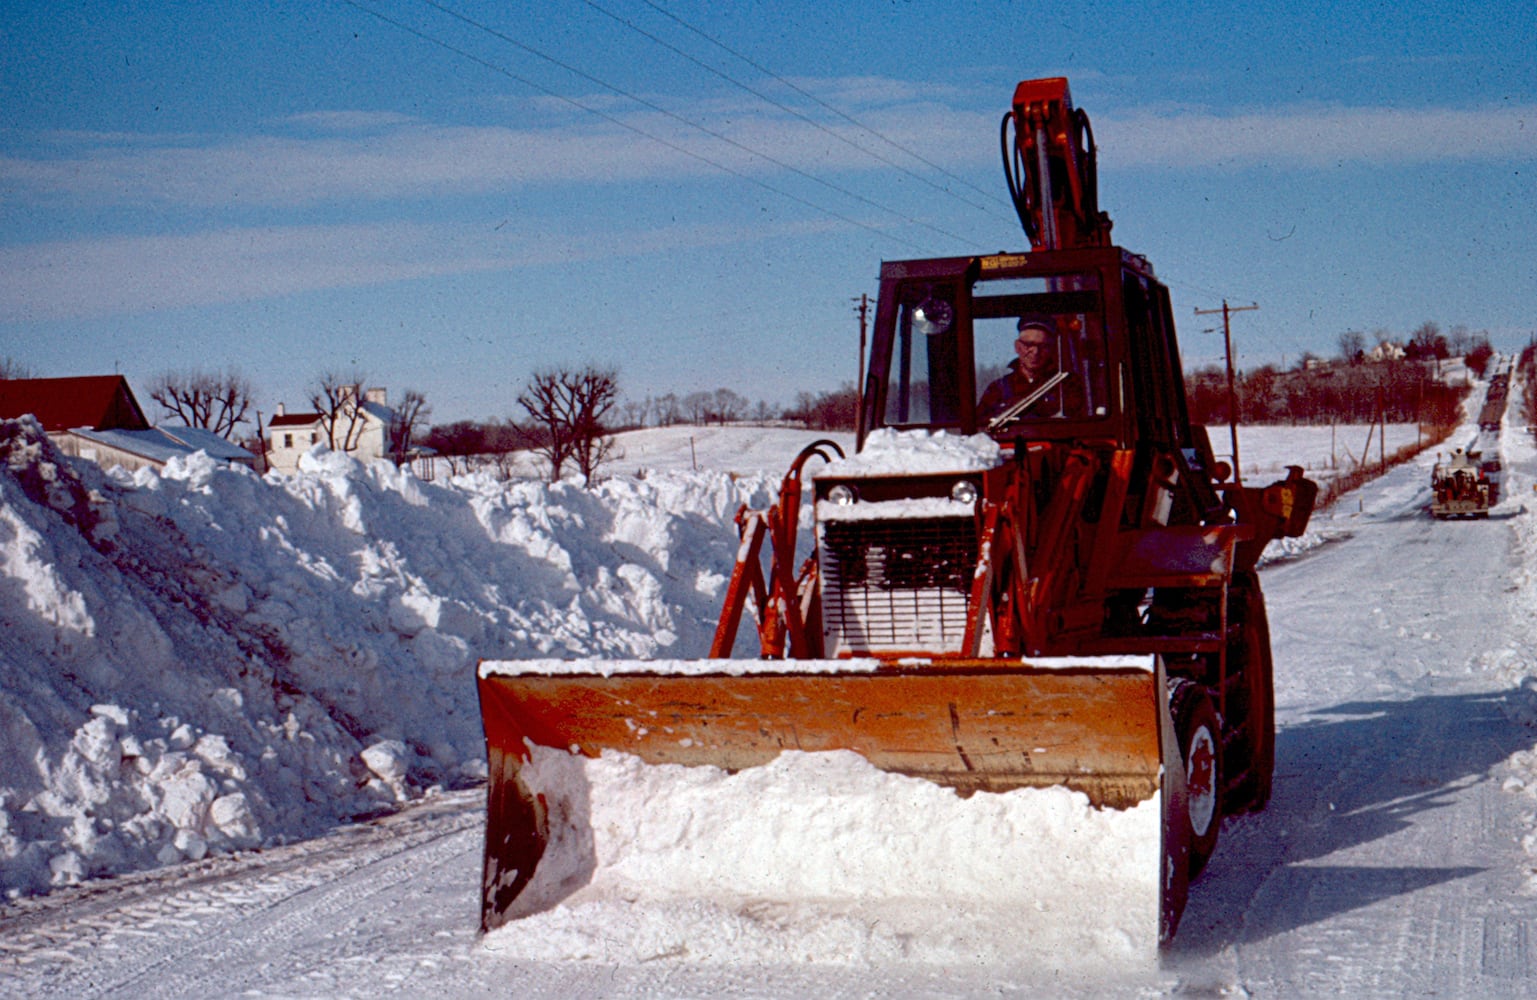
1186	285
624	124
812	97
779	104
502	36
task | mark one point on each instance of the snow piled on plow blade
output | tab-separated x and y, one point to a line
823	858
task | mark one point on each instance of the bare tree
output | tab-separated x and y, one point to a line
204	399
668	410
592	451
505	441
1459	340
1527	366
729	406
568	408
1427	343
11	368
1352	347
827	411
633	413
1479	353
697	407
338	400
405	416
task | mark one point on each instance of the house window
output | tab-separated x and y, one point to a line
288	440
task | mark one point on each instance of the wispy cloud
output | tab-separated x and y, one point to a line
343	156
380	160
93	278
349	120
127	274
268	170
1317	136
311	170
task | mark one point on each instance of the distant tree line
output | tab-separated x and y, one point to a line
1425	343
1402	392
827	411
469	444
1395	382
568	416
720	406
1526	366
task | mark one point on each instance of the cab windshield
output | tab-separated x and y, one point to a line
1035	348
1039	350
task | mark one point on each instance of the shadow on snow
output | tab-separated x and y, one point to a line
1360	774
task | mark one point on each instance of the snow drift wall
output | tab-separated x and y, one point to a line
205	659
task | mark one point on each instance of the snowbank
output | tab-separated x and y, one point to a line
208	660
1517	663
888	451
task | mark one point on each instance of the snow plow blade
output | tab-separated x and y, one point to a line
975	726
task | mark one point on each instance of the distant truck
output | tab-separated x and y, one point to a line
1493	410
1464	486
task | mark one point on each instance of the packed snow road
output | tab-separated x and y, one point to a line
1389	863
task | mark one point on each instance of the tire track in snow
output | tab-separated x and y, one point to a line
201	932
240	953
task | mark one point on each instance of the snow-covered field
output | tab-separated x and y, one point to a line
750	450
206	662
1263	451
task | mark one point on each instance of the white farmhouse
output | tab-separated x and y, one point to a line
1387	351
361	429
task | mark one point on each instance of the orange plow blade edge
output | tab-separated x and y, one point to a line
975	726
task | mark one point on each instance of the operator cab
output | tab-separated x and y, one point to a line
945	330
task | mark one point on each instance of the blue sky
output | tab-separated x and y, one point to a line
447	196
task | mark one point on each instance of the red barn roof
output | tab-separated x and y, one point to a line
293	420
100	402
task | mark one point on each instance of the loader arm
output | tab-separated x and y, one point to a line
781	598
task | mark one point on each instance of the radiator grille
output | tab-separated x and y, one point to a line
894	585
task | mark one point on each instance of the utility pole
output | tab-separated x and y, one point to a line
1232	396
864	312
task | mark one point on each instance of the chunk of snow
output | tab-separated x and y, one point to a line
893	452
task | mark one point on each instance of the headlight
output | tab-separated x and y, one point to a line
841	495
964	491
